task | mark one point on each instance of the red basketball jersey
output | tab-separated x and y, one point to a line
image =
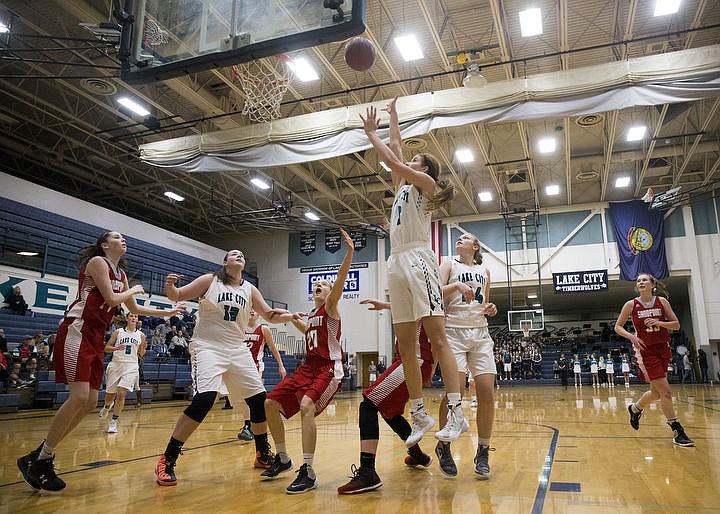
422	346
90	305
255	341
649	335
322	337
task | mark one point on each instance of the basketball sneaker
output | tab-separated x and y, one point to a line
482	468
634	417
105	410
276	468
24	463
165	472
263	458
445	458
679	436
362	481
421	423
42	471
423	461
246	434
304	482
456	425
112	426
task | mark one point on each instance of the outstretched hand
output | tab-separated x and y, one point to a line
348	240
391	109
371	122
375	304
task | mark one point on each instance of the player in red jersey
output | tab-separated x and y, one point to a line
257	336
80	347
388	396
653	317
311	387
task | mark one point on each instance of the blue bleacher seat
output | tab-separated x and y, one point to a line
9	402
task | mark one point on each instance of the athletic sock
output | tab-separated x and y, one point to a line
46	452
416	405
671	421
173	450
367	460
484	442
636	407
308	458
261	442
453	399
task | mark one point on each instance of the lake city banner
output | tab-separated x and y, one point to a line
639	235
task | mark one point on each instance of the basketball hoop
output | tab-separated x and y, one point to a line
525	326
264	83
153	35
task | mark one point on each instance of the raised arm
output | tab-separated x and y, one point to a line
267	334
332	300
400	170
194	289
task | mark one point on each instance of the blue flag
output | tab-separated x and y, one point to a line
639	234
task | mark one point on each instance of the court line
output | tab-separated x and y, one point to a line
544	478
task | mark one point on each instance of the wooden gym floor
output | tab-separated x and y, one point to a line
569	451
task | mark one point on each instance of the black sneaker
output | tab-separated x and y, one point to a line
43	471
305	481
24	464
482	468
246	434
634	417
447	464
276	468
362	481
679	436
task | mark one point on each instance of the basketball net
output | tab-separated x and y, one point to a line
264	83
525	327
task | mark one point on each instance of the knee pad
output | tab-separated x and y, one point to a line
369	427
200	406
257	407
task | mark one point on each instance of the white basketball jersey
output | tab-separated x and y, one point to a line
409	221
223	314
459	313
132	341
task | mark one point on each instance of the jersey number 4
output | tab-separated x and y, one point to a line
230	313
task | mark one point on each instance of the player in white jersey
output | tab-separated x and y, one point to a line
219	355
122	374
413	276
466	289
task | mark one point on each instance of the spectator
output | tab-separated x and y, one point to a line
170	334
163	328
157	338
687	368
563	370
162	349
556	369
4	375
3	342
372	370
26	350
702	360
380	368
14	379
51	348
17	303
178	345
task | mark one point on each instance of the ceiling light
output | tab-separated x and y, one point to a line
312	216
174	196
537	305
530	22
552	190
485	196
260	183
28	254
622	182
636	133
464	155
532	295
474	78
133	106
4	29
304	71
547	145
664	7
409	47
385	166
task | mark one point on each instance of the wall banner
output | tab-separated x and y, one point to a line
580	281
308	242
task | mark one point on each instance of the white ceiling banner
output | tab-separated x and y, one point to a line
687	75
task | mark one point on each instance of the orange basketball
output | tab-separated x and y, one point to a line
359	53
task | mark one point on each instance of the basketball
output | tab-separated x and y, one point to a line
359	53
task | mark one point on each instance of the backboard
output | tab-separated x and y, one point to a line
168	38
534	318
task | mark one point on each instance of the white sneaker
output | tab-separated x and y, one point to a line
112	427
456	425
421	423
105	410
